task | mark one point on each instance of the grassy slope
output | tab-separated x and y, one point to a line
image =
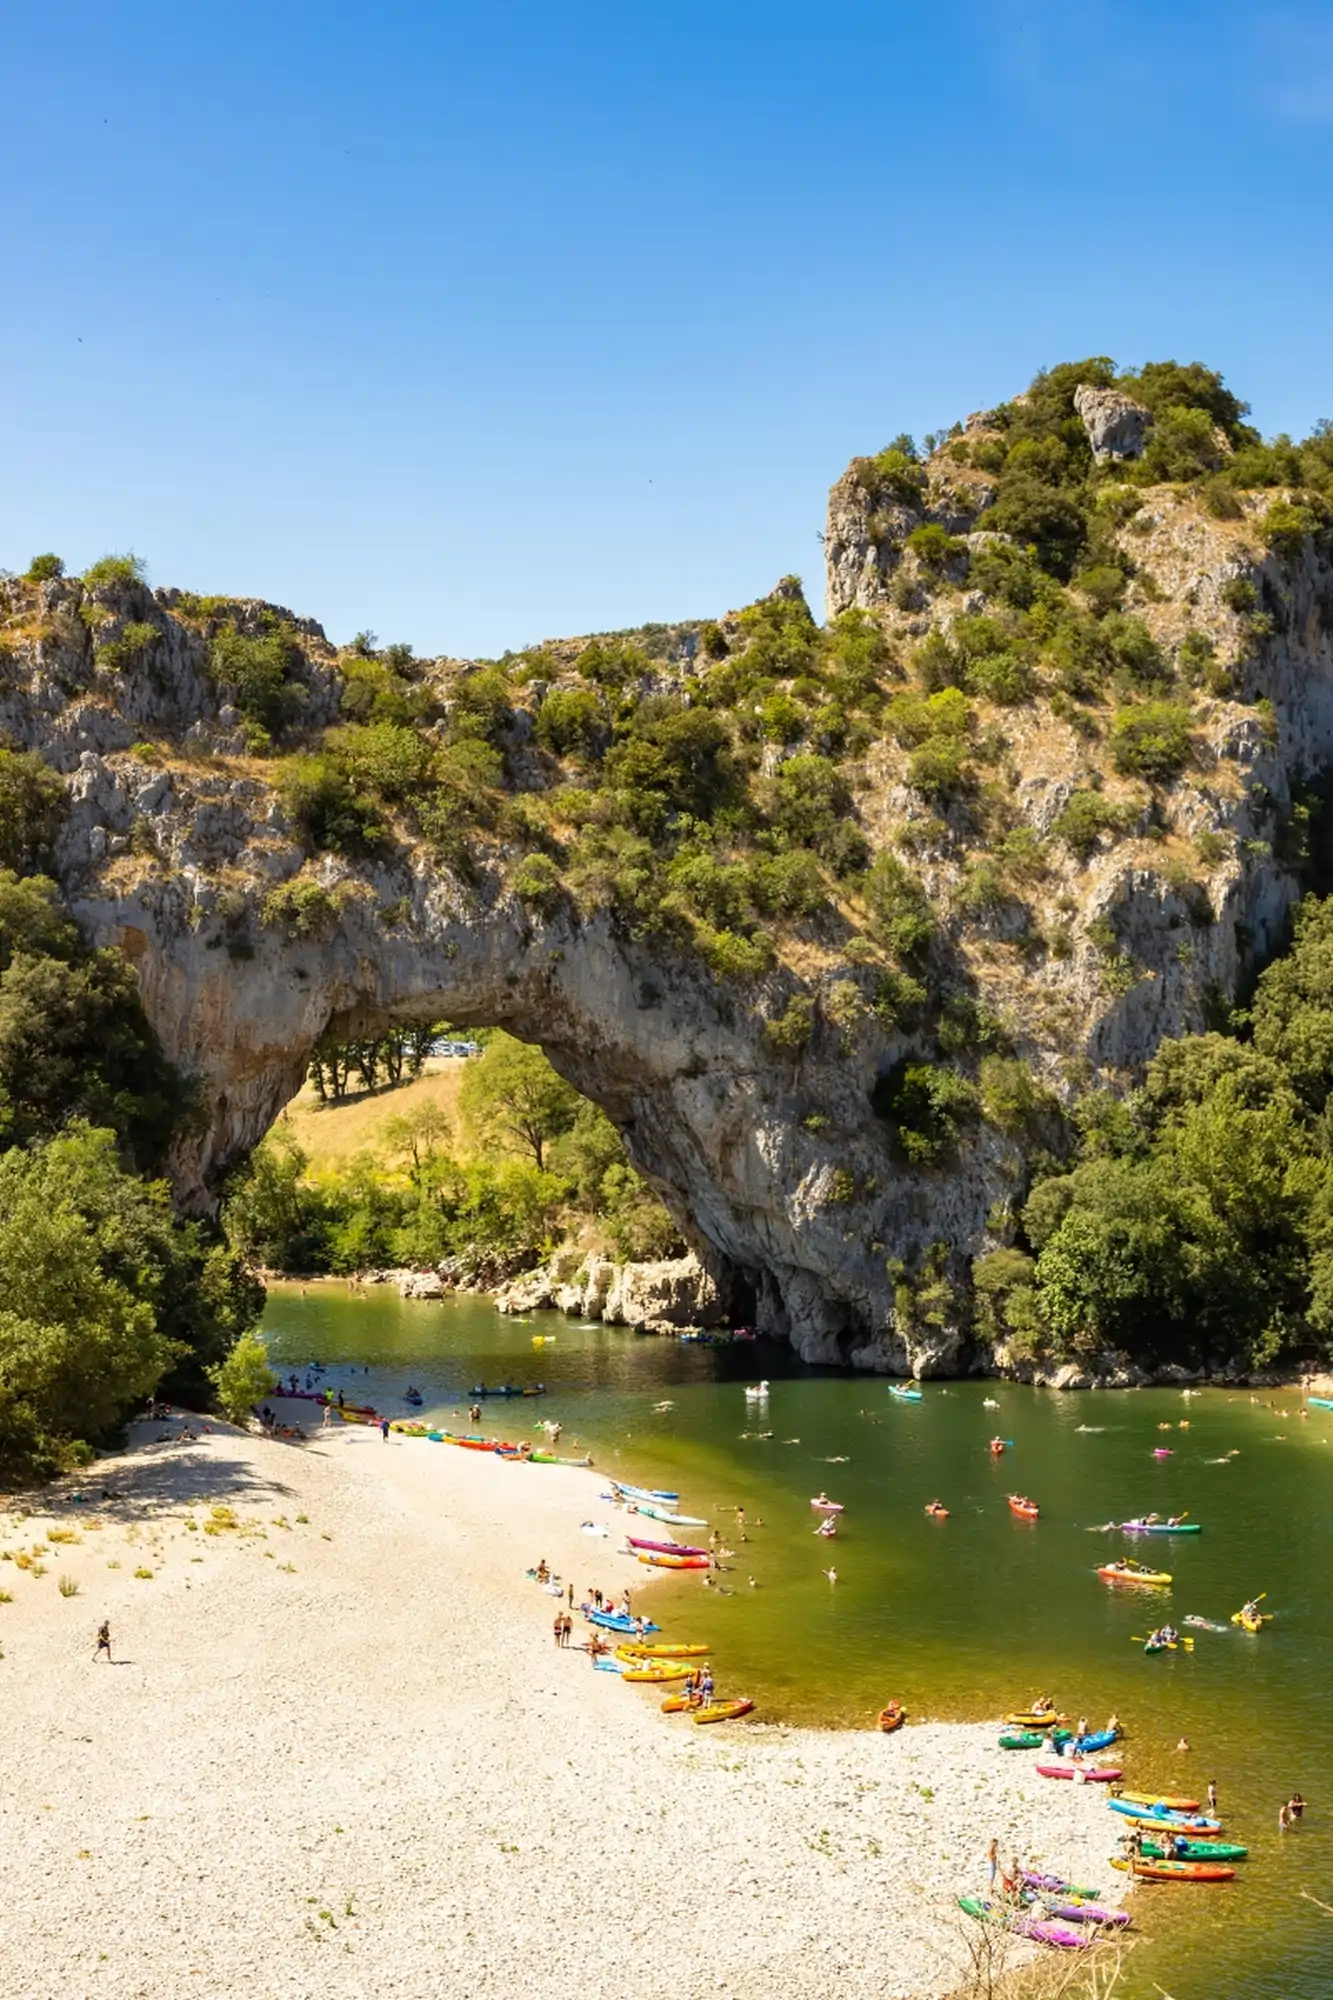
332	1134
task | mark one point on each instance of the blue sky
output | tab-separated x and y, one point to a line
475	325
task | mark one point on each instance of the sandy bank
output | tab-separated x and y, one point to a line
341	1756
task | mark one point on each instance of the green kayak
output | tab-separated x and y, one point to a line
1196	1850
1028	1739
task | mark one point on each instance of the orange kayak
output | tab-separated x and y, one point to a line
1027	1508
893	1717
1177	1871
674	1562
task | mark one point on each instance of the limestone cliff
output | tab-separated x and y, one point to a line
770	1146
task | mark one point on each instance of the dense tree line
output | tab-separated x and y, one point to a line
1195	1221
540	1162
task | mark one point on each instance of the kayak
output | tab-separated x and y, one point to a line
1096	1739
656	1671
667	1519
1250	1624
905	1395
938	1513
1321	1402
1032	1739
1154	1816
1132	1573
643	1492
893	1717
1169	1802
1092	1773
829	1506
1056	1885
1022	1926
723	1711
616	1621
1177	1871
1168	1645
664	1649
1162	1527
1196	1850
1030	1718
665	1548
1028	1509
996	1447
674	1562
1088	1913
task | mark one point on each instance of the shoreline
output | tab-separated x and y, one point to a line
346	1754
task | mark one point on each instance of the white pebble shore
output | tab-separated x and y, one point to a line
344	1758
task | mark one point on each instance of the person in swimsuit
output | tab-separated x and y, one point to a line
104	1641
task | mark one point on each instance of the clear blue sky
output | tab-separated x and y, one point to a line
475	324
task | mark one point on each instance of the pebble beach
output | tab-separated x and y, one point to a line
338	1754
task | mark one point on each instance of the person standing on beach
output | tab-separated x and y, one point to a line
571	1597
1212	1796
993	1863
566	1629
559	1628
384	1429
104	1644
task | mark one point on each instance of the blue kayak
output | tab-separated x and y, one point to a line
615	1621
1192	1822
1101	1739
905	1395
644	1492
1321	1402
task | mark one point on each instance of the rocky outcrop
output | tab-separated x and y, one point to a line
673	1293
1116	425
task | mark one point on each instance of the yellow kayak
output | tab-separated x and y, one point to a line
1031	1719
1250	1624
655	1671
723	1711
664	1650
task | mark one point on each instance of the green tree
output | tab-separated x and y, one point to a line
33	802
243	1379
512	1095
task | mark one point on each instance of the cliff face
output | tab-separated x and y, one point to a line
771	1153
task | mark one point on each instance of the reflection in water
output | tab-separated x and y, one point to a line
968	1615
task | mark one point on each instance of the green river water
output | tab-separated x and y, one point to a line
966	1617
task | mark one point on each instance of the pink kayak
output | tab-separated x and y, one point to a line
829	1506
1094	1774
665	1548
1044	1933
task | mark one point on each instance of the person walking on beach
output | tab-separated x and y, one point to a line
104	1642
327	1418
384	1429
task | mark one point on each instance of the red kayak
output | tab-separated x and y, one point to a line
1092	1773
665	1548
1028	1509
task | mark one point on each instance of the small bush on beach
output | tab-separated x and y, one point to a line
68	1587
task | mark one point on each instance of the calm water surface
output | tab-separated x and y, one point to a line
965	1617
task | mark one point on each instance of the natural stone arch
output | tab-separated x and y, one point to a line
804	1222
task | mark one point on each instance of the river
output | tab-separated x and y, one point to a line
971	1615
